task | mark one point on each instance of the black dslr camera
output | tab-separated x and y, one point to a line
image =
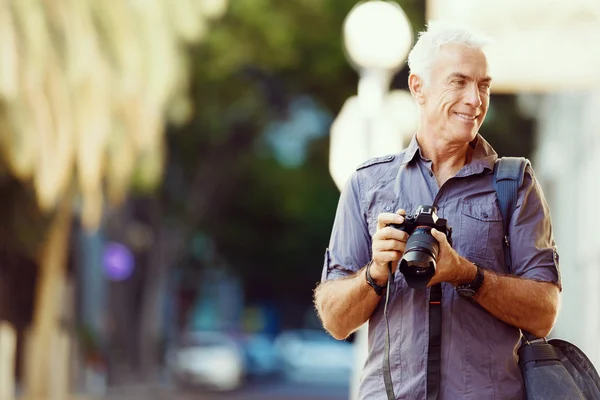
420	254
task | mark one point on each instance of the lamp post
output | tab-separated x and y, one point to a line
377	39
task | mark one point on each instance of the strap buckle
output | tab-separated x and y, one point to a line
435	294
535	341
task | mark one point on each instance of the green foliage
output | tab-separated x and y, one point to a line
24	227
270	222
279	225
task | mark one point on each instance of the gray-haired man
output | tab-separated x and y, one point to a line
449	165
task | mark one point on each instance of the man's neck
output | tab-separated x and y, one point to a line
447	157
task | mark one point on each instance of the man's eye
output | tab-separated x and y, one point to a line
460	82
484	86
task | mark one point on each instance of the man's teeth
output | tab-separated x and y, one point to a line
465	116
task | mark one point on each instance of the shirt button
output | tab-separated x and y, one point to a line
430	173
485	215
388	208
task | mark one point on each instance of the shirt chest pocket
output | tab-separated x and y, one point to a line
481	231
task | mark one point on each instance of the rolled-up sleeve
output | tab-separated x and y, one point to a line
533	249
349	246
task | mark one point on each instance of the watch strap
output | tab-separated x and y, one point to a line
379	289
470	289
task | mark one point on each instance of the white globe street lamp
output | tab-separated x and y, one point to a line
377	38
377	34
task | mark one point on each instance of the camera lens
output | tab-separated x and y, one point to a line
419	259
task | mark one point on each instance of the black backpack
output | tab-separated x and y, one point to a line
552	369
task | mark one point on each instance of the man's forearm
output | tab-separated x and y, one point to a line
345	304
526	304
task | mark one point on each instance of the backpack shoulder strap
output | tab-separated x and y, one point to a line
508	178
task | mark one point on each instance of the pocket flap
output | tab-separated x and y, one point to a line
482	211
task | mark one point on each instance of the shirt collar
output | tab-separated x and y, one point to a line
411	150
484	156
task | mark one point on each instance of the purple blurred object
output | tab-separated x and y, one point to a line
118	261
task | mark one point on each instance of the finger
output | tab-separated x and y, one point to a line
389	232
401	211
384	219
383	257
389	244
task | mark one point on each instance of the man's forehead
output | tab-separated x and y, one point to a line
455	60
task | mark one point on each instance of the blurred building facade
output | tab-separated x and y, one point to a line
568	169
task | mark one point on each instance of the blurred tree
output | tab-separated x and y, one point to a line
224	178
84	88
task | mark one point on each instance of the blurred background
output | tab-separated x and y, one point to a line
170	169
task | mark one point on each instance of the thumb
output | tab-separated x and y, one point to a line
437	234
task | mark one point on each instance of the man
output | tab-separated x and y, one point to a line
449	165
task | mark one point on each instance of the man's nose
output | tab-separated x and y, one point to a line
473	97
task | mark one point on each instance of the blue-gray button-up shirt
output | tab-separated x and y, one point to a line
478	355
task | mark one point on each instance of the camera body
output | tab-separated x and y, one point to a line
418	263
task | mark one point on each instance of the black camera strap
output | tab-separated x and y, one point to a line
387	373
435	342
434	354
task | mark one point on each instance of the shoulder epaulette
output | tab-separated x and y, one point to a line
376	160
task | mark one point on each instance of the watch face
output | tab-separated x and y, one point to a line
466	292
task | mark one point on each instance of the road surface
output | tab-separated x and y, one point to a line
276	390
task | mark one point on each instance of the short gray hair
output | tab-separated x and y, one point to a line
438	34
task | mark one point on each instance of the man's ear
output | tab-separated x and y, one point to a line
415	84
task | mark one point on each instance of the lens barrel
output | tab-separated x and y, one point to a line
419	260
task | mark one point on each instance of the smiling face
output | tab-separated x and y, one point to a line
455	99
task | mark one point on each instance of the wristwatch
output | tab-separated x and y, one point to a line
470	289
379	289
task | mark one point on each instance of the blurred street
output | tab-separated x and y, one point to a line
272	390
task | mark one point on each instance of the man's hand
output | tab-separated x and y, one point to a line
450	266
388	245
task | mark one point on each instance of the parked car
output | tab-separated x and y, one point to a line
313	355
212	360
